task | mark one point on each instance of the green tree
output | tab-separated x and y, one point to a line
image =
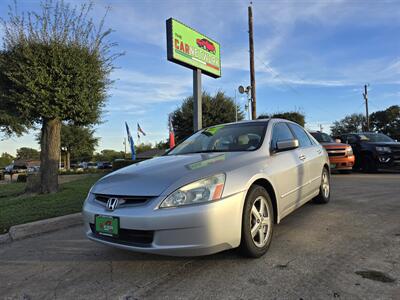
294	116
109	155
5	159
54	67
77	142
350	123
142	147
162	145
216	109
27	153
387	121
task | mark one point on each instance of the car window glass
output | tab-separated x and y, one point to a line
301	135
280	133
223	138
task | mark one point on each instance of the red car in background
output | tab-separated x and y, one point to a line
206	45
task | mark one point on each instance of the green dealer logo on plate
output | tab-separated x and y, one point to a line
187	47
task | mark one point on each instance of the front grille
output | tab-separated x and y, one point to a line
137	238
396	153
336	153
123	200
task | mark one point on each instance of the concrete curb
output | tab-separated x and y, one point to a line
5	238
23	231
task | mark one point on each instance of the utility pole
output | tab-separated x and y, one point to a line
365	94
252	74
321	128
236	108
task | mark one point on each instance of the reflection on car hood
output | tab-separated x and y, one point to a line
153	176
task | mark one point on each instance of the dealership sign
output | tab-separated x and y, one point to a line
192	49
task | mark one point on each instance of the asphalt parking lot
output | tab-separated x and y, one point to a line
348	249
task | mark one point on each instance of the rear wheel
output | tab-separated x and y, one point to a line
257	222
324	189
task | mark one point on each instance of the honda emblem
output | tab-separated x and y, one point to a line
112	203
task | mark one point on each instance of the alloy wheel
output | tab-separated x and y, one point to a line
325	184
260	222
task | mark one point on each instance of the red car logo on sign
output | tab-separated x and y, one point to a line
206	45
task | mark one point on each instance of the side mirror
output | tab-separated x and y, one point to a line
338	140
287	145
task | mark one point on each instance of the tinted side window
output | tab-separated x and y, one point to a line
280	133
301	135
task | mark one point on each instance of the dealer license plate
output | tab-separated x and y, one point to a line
107	225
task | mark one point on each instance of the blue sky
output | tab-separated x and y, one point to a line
312	56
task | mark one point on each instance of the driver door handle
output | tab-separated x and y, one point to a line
302	157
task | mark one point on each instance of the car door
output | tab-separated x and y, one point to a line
288	169
310	153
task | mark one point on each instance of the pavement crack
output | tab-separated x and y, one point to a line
60	280
283	266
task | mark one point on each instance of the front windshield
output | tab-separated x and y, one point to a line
223	138
375	137
322	137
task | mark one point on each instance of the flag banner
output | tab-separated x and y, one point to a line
171	135
139	129
130	139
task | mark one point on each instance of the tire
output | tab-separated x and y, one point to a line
325	188
256	245
368	164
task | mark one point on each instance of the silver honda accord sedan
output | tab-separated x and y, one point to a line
224	187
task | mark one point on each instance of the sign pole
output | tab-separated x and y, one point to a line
197	100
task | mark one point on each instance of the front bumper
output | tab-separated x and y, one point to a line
342	162
184	231
388	161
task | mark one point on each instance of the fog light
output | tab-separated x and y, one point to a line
383	159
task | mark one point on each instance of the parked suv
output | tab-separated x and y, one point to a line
374	151
341	156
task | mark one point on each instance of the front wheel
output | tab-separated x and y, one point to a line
257	222
324	189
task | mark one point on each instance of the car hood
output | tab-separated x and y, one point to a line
385	144
152	177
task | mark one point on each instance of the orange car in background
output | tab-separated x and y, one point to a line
340	155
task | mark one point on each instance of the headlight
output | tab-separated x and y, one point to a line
200	191
383	149
349	151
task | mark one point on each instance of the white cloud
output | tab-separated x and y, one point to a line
141	88
135	93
